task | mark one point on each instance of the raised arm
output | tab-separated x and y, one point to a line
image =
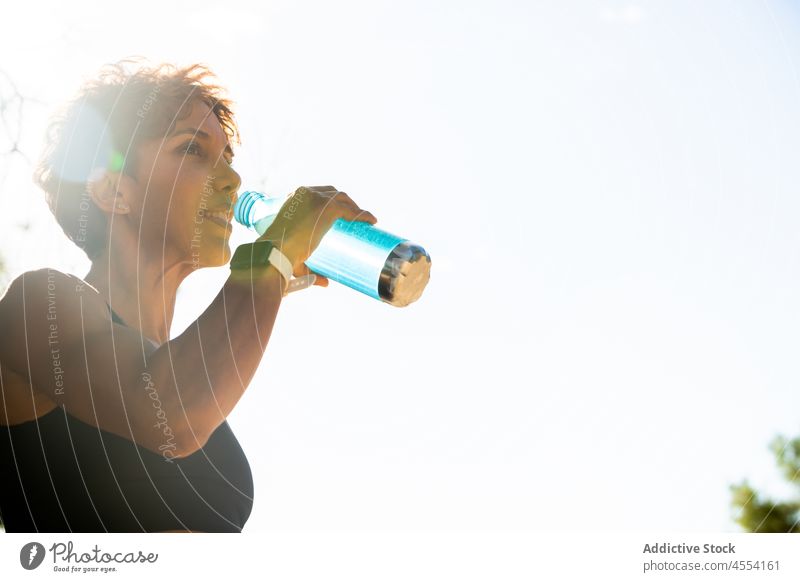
168	399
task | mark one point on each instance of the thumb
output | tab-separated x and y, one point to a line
302	270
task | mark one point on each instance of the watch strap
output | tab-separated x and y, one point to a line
262	253
278	260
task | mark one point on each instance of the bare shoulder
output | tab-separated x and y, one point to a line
42	314
49	278
65	347
47	311
53	294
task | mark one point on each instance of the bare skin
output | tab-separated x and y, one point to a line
159	232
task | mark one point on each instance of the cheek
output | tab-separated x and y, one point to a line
181	191
186	213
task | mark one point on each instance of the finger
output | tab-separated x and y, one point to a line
343	197
302	271
352	213
366	216
362	215
338	196
325	191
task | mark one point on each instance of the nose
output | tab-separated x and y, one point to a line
228	181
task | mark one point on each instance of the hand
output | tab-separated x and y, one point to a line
305	218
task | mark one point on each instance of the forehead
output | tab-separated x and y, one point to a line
200	117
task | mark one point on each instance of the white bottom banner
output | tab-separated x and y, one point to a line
403	556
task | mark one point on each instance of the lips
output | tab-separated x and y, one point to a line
221	217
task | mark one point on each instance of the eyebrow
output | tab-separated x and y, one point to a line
200	133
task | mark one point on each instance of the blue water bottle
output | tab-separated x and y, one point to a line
353	253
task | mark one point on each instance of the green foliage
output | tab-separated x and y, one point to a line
761	515
788	456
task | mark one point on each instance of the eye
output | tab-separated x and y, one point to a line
191	148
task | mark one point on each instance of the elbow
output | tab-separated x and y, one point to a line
180	447
183	426
186	440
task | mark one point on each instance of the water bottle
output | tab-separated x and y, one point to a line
354	253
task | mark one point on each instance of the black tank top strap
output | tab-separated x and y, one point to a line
116	318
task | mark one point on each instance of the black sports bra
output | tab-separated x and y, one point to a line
59	474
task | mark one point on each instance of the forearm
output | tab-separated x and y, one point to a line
210	365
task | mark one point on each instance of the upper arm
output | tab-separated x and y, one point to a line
60	337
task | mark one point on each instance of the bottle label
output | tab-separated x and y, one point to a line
353	254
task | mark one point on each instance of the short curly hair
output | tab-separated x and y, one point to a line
128	101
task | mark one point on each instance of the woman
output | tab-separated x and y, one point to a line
107	424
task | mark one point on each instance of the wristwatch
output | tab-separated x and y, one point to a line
262	253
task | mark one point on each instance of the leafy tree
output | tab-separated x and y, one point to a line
758	514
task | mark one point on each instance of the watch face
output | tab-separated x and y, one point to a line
251	255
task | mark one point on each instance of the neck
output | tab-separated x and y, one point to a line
139	290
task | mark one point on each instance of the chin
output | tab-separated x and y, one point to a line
218	256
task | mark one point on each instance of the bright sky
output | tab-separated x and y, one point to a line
608	193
